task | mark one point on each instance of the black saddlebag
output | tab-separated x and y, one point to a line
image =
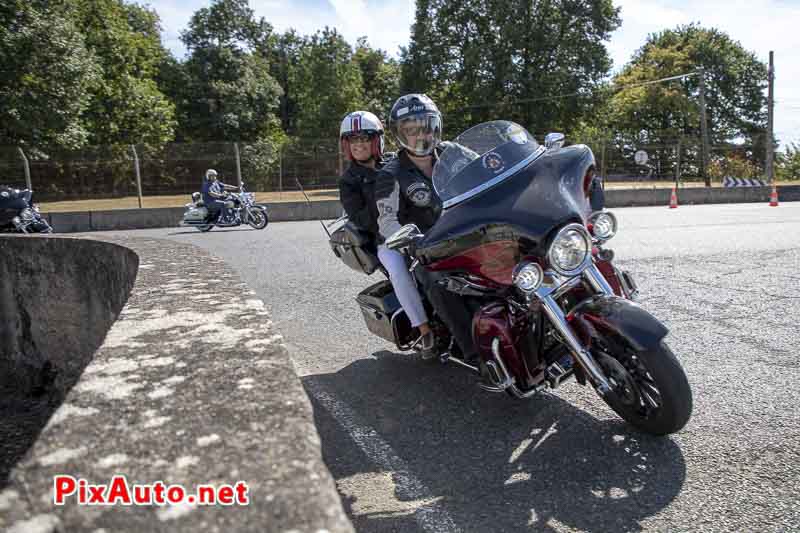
355	248
384	315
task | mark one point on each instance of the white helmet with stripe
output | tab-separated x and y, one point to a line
360	123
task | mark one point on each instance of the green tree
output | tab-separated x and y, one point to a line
47	72
380	76
227	23
284	60
416	61
230	93
328	83
734	87
662	113
735	165
788	163
126	105
484	59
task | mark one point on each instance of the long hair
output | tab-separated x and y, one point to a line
375	148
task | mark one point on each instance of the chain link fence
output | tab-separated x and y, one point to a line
678	159
100	172
105	172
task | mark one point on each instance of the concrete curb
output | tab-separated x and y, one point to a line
186	387
126	219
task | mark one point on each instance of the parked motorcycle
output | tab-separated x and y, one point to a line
241	208
18	213
518	241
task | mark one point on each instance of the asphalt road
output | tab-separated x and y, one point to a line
416	447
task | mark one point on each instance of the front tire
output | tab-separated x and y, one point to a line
650	390
257	218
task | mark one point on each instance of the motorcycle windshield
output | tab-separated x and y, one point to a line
481	158
523	207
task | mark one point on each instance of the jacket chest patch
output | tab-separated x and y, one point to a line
419	193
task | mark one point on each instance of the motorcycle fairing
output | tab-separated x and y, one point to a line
12	202
517	343
615	315
15	198
524	210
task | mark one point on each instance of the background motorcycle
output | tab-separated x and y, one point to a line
241	207
517	242
18	213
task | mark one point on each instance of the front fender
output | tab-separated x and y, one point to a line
615	315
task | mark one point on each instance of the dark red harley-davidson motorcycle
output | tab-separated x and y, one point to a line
517	242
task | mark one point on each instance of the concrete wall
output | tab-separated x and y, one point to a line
58	298
698	195
121	219
154	379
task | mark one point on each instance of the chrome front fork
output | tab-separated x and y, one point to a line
547	295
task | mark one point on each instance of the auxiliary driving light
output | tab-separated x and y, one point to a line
528	276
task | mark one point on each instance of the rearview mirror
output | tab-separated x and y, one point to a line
554	141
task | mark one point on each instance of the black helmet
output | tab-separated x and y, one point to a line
416	123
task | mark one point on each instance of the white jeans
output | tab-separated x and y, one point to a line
404	286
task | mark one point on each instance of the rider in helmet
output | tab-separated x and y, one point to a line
214	194
405	195
361	137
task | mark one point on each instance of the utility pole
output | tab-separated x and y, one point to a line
27	169
703	129
238	164
138	175
603	161
770	171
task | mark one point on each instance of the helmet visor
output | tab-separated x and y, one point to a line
419	134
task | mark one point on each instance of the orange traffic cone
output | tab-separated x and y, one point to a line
773	197
673	199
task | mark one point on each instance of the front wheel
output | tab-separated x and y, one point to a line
257	218
649	388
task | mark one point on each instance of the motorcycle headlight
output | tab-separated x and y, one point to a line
36	208
570	249
26	214
604	225
527	276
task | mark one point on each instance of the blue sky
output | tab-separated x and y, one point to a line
760	26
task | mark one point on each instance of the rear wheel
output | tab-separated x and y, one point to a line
205	227
649	388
